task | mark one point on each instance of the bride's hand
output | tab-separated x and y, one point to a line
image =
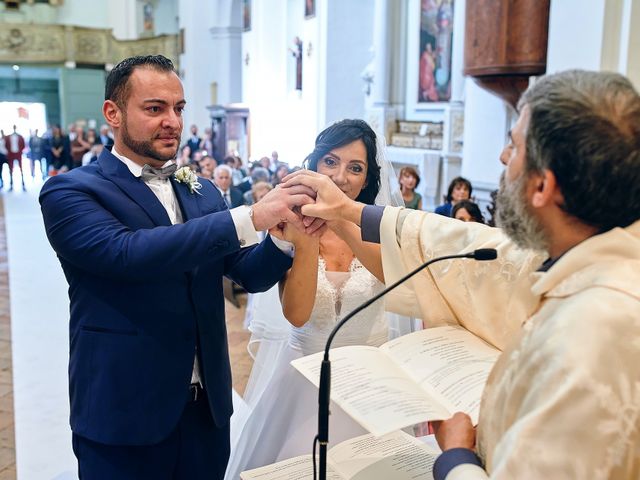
286	231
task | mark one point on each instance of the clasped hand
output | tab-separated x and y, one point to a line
305	200
282	205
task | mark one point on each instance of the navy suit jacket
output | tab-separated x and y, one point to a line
143	293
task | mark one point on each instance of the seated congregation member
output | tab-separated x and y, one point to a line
325	282
467	211
144	255
222	180
106	137
569	375
184	158
257	174
205	167
79	146
409	180
265	162
281	172
239	173
459	189
258	190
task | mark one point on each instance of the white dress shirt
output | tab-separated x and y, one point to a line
163	190
226	195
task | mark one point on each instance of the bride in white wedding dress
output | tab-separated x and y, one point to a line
328	279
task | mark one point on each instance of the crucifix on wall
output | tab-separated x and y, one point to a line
296	51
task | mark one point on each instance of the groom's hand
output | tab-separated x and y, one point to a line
280	205
331	203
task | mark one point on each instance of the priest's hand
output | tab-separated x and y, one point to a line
331	203
457	432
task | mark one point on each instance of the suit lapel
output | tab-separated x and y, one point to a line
189	203
133	187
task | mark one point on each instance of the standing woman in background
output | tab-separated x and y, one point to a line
409	180
58	151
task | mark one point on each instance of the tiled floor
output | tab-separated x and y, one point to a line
7	437
20	226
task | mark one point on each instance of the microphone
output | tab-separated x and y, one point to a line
481	254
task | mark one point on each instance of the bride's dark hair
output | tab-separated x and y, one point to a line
343	133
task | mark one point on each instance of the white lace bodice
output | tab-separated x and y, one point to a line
338	294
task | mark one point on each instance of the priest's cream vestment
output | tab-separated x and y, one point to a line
563	400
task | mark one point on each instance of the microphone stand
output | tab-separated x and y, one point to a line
325	370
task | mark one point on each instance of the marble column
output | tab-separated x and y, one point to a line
226	49
380	113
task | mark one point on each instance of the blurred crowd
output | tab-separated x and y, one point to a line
58	151
239	184
53	152
458	202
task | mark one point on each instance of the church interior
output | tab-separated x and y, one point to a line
438	80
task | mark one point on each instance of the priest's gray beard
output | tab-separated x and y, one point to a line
514	218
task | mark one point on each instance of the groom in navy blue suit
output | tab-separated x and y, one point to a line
144	252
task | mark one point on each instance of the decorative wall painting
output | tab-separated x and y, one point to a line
436	36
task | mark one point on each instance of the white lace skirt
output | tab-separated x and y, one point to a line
284	421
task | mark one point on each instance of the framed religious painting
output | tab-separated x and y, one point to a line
434	56
246	15
147	19
309	8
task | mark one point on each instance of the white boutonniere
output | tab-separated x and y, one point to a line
189	178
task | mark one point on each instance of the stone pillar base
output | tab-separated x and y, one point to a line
382	119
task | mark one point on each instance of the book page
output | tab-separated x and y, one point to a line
395	456
298	468
372	390
449	363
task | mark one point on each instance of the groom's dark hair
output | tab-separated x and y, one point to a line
117	84
343	133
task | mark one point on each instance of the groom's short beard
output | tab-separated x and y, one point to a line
514	218
144	148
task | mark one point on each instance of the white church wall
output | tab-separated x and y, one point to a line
575	35
336	43
197	62
485	126
165	16
282	118
83	14
630	53
348	51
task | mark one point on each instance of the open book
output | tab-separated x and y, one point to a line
424	376
396	455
